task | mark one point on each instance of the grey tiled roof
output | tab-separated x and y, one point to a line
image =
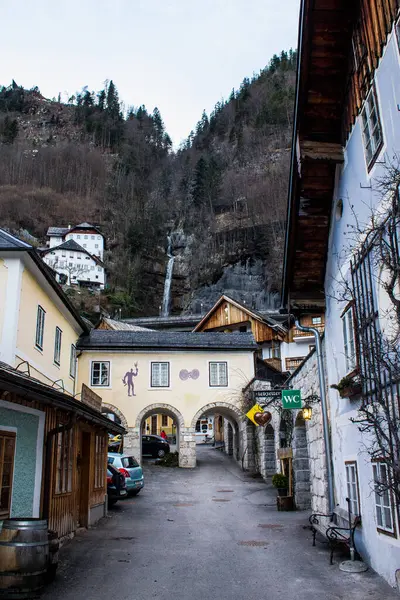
61	231
10	242
122	326
100	338
69	245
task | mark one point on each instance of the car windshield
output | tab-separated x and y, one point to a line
129	461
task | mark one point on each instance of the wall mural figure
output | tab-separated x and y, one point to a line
128	380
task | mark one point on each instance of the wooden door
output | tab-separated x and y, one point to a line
83	473
154	424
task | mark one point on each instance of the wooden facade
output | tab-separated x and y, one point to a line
228	315
74	458
340	45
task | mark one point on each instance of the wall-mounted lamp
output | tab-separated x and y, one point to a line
307	412
307	409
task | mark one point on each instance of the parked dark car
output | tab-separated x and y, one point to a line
154	445
116	486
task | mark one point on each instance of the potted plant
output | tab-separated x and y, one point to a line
348	387
280	481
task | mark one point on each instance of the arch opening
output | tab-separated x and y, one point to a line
163	421
227	424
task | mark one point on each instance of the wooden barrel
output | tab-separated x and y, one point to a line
24	556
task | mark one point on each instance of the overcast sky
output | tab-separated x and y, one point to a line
180	55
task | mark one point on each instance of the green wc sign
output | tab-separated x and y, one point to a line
291	399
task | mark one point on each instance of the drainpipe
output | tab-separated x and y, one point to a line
324	408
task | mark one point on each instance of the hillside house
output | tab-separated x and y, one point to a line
86	235
75	265
53	436
340	220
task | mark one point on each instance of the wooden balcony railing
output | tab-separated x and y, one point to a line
299	333
293	363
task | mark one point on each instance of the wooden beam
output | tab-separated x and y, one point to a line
321	150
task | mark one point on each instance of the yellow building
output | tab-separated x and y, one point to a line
44	431
181	375
39	327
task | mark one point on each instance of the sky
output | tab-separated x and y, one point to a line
180	55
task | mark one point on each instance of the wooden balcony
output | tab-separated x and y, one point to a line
297	333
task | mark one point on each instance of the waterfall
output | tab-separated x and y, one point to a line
168	279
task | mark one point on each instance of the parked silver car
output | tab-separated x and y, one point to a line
130	468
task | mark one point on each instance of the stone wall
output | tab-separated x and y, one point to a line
306	380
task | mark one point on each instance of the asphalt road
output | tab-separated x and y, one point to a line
211	532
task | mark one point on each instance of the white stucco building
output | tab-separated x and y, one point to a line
86	235
75	265
346	141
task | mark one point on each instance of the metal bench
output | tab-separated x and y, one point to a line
338	528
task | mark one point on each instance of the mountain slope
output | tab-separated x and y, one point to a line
222	195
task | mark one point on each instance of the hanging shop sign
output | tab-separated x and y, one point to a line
291	399
259	416
267	395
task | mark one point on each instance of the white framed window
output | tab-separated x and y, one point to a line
159	374
71	255
99	237
371	126
383	504
63	254
78	237
99	269
86	237
72	362
79	256
92	268
218	374
100	375
57	346
96	245
316	321
92	237
352	487
40	327
85	245
70	264
349	339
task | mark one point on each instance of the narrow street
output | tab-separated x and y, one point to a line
206	533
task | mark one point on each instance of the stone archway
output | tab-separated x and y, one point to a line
301	465
181	437
113	409
236	430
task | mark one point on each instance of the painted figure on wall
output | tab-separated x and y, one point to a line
128	380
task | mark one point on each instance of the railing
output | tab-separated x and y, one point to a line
299	333
293	363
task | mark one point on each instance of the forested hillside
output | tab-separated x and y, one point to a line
222	195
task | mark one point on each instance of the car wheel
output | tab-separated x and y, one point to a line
160	453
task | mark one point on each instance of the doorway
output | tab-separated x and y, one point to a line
154	424
83	471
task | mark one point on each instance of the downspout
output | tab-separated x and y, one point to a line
48	460
324	408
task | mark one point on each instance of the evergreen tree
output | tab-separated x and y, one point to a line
113	107
200	183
